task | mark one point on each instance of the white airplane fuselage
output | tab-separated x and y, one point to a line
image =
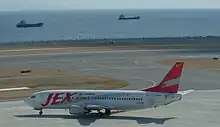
111	99
83	101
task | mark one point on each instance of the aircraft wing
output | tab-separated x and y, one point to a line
185	92
100	107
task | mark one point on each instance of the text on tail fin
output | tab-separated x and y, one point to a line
171	82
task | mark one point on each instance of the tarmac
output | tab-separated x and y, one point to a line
200	108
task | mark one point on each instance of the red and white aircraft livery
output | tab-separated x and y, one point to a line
82	102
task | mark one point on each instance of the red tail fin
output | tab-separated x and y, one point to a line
171	82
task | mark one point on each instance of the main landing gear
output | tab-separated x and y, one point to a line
107	113
87	112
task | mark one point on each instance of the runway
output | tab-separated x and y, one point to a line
200	108
136	67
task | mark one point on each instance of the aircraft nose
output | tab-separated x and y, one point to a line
28	101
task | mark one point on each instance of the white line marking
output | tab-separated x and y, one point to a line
136	61
11	89
139	78
117	68
214	90
95	52
40	49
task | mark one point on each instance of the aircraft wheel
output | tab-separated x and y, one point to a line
86	113
41	112
107	112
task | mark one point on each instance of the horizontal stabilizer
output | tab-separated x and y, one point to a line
185	92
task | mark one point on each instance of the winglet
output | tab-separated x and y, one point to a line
171	82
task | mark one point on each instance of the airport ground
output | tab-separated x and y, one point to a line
135	66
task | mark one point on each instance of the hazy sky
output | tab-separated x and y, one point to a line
105	4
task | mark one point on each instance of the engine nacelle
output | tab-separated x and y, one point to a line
77	110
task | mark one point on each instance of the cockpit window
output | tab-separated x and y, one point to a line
33	96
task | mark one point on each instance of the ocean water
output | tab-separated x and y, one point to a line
84	24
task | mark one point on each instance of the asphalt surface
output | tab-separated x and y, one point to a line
200	108
135	67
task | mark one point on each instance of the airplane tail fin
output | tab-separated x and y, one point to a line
171	82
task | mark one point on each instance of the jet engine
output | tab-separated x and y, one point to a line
77	110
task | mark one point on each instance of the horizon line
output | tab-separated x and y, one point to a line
112	9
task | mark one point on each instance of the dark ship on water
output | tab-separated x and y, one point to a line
123	17
24	24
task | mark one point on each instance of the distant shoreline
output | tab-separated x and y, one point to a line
208	41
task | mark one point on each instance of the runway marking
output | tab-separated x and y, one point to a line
41	49
197	56
136	61
138	78
97	52
214	90
117	68
11	89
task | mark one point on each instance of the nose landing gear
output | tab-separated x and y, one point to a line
40	112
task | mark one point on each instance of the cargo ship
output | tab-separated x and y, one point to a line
23	23
123	17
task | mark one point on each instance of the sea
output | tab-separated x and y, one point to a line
99	24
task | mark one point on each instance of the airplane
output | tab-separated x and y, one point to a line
83	102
